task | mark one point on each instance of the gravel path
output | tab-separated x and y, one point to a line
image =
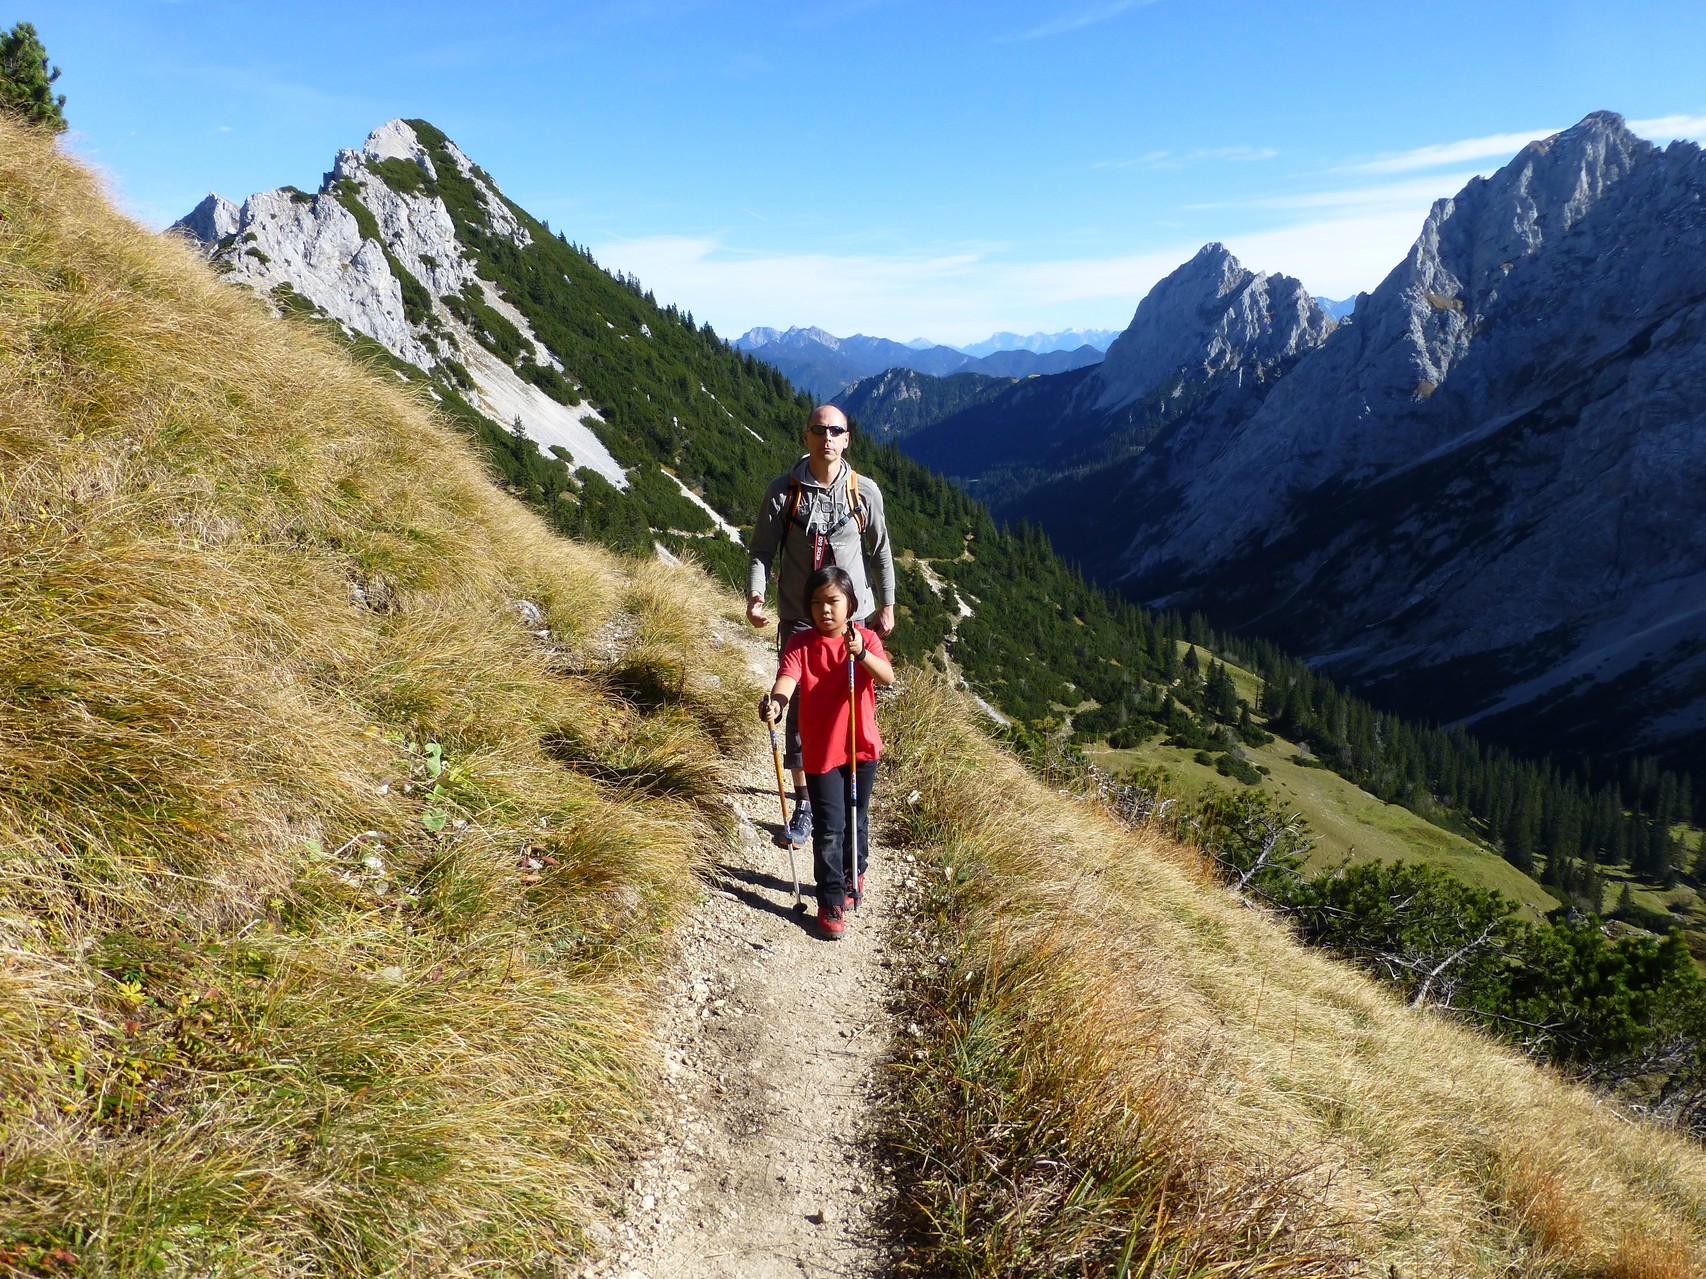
762	1163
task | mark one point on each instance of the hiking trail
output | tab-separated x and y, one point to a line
761	1160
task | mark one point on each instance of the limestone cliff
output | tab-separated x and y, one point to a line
1484	495
385	258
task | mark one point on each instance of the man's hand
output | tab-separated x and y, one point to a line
755	611
883	623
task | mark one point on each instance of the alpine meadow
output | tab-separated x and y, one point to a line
377	698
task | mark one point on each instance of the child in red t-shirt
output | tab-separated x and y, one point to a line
815	663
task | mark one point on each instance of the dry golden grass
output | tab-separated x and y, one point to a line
259	1014
256	1014
1123	1037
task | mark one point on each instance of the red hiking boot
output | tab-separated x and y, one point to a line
830	923
857	896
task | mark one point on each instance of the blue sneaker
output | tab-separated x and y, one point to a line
799	832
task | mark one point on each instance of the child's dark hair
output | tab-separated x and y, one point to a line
832	573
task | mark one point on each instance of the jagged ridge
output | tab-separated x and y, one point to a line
1483	493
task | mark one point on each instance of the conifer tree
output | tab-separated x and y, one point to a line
1221	694
26	80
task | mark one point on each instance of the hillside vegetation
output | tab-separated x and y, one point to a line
332	875
345	811
1129	1072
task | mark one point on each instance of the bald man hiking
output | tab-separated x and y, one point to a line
821	512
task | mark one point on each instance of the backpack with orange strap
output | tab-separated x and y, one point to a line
856	511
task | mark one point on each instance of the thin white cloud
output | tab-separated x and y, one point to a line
1501	146
1235	154
1335	257
1178	160
1440	154
1337	250
1344	240
1413	193
1146	160
1078	21
1666	128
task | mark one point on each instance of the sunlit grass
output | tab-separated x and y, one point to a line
316	955
1347	824
1121	1056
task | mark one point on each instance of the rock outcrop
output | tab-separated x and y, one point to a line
382	256
214	219
1212	317
1209	340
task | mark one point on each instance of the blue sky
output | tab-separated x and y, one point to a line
902	169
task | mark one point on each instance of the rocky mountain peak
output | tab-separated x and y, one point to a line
378	250
1507	267
395	140
1210	315
794	338
211	220
823	337
1427	308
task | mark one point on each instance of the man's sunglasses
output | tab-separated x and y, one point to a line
818	428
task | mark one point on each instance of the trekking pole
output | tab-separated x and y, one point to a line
853	768
793	865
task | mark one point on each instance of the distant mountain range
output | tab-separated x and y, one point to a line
1483	499
1208	341
821	363
1043	343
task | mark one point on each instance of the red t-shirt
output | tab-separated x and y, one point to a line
818	665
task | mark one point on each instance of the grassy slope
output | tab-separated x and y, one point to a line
237	1034
1348	824
242	1036
1115	1034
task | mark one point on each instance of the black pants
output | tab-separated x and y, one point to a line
831	862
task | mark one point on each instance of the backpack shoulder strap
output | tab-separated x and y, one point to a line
854	505
793	501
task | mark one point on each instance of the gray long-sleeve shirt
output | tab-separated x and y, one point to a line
821	507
